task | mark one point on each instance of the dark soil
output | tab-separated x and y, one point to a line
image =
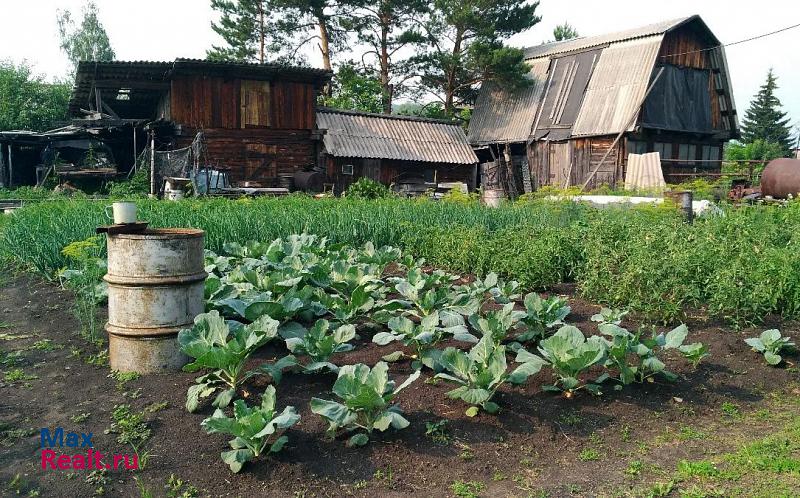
532	447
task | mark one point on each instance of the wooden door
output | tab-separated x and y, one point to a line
560	158
371	168
255	104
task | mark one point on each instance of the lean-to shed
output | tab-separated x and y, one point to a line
664	87
394	149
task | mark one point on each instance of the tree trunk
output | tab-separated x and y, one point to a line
386	88
324	46
262	33
450	84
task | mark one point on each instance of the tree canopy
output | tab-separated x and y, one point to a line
564	32
764	119
27	102
247	30
355	90
86	42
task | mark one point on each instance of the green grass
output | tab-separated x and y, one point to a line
467	489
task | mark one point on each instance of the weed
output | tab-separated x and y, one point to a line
362	484
99	479
156	407
178	488
499	476
660	489
99	359
437	431
134	394
385	475
143	491
688	433
17	375
625	433
85	281
13	337
572	418
466	452
730	410
129	426
467	489
699	468
10	358
46	345
634	468
595	439
589	455
122	378
81	417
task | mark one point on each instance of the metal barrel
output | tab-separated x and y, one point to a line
781	178
155	288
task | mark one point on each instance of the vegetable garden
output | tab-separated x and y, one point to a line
403	336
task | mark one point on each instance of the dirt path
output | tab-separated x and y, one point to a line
627	443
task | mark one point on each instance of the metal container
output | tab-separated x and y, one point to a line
781	178
155	289
493	197
309	181
286	181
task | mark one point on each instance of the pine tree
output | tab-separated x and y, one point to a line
765	120
565	32
246	28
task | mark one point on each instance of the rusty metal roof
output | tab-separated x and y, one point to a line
659	28
380	136
500	116
617	87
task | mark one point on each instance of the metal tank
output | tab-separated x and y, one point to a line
781	178
155	288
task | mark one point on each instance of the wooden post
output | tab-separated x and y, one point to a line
10	168
152	164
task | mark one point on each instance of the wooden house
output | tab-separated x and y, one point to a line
394	150
663	87
258	120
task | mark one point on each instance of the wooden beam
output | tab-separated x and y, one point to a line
133	85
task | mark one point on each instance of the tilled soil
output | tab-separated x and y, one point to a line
532	447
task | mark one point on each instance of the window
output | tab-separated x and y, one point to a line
347	169
687	152
664	149
710	153
637	147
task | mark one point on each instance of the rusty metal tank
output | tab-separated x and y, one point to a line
155	288
781	178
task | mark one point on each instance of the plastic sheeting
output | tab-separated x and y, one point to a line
644	172
679	101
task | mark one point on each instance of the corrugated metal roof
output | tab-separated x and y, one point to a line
549	49
377	136
500	116
617	87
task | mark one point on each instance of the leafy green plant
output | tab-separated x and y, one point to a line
224	347
320	342
85	280
256	429
569	354
467	489
422	338
771	344
482	371
608	315
366	396
365	188
625	346
496	323
542	315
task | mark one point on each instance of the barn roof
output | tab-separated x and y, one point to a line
598	103
381	136
143	81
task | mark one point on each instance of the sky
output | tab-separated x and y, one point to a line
167	29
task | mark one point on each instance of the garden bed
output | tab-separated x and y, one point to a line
625	443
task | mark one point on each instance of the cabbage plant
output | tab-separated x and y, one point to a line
570	354
608	315
481	371
496	323
542	315
224	347
256	430
366	396
320	342
500	291
422	338
771	344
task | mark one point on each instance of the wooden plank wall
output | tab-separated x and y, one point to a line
215	102
256	154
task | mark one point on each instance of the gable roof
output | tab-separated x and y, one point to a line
617	84
381	136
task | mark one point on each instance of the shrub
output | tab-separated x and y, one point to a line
364	188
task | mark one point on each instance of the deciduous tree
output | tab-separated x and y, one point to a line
87	42
355	90
27	102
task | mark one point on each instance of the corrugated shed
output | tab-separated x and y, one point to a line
501	116
549	49
376	136
617	87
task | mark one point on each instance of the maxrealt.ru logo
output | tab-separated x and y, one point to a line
82	442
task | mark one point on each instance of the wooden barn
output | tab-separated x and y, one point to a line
407	152
257	120
659	88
